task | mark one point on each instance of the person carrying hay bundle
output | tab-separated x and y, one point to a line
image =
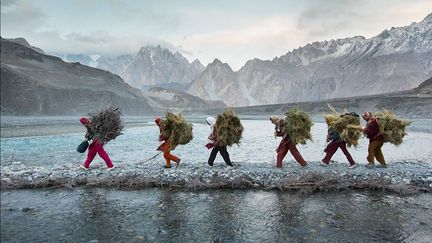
376	140
381	128
287	143
348	125
173	130
226	131
101	128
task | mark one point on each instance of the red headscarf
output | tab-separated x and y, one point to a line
84	121
158	120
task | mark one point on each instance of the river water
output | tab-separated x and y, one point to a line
161	215
258	145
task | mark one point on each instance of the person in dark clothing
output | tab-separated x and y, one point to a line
286	144
216	145
376	140
335	143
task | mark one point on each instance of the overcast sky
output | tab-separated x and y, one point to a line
232	30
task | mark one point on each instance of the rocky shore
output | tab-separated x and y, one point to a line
401	177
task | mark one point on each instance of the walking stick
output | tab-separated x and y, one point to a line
154	157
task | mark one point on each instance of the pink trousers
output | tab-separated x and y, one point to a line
97	148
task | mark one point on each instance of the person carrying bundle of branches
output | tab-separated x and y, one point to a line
101	128
173	130
226	131
342	130
294	128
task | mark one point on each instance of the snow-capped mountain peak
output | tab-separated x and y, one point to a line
396	59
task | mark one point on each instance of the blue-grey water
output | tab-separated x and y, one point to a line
258	145
161	215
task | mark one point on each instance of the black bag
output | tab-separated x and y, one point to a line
83	147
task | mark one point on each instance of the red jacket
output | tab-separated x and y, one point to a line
213	138
281	132
372	130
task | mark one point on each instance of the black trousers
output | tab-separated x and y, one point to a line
223	151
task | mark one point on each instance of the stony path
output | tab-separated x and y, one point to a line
401	177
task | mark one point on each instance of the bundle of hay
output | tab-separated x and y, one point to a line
392	128
177	129
351	134
106	124
347	125
229	128
298	125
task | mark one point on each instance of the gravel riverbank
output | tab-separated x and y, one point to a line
400	177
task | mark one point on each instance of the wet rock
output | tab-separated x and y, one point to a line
27	209
406	181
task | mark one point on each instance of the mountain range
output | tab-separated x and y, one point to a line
413	104
33	83
151	66
397	59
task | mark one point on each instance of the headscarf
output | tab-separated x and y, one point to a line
158	120
211	121
275	120
84	121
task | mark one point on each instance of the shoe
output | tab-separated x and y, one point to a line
178	163
230	164
323	164
305	166
352	166
84	168
382	165
109	169
167	167
370	166
210	164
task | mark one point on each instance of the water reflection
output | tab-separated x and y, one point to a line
101	218
222	216
212	216
171	214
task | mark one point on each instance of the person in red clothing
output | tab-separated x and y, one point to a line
335	143
376	140
165	147
286	144
95	147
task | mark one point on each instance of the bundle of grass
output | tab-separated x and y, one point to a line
351	134
177	129
347	125
392	128
298	125
106	124
229	128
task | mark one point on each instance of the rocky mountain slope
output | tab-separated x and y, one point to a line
24	42
149	67
153	66
36	84
395	60
413	103
169	99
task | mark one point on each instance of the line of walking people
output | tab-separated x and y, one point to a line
335	142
